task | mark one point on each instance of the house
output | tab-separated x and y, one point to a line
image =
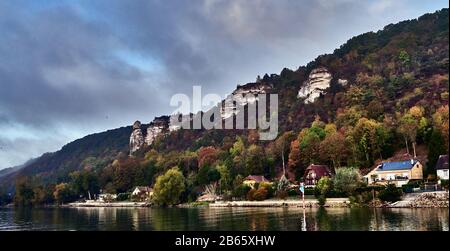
107	197
442	168
142	192
251	180
398	173
314	173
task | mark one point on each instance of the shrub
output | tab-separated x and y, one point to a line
269	187
260	194
241	191
444	184
310	191
322	200
293	192
123	196
391	193
282	194
251	194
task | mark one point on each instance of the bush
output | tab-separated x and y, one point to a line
282	194
269	187
310	191
123	196
391	193
251	194
241	191
293	192
444	184
260	194
322	200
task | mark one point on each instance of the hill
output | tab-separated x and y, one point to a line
360	95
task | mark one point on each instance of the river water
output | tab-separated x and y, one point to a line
203	219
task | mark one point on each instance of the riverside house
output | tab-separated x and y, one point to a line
398	173
314	173
142	192
251	180
442	168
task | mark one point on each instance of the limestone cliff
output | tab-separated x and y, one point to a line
241	95
159	126
319	79
136	138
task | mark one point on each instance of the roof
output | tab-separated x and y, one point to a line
257	178
399	165
142	188
442	162
320	170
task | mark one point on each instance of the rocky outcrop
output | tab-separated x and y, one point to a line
242	97
159	126
136	138
319	79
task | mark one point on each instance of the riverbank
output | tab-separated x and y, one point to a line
331	202
107	204
438	199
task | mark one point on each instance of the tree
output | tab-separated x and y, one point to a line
225	178
24	192
294	156
280	148
436	147
64	193
169	187
334	149
408	128
346	180
323	187
207	156
441	122
254	163
85	183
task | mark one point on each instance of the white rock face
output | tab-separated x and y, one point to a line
342	82
319	79
243	95
136	138
152	133
157	127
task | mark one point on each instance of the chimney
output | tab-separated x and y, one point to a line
412	161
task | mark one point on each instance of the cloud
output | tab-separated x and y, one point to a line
69	68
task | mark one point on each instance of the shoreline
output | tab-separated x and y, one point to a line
107	204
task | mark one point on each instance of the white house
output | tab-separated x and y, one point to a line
442	168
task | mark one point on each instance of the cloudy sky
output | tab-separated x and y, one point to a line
71	68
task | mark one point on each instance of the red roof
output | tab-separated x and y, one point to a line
320	170
257	178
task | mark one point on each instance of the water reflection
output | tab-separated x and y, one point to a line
204	219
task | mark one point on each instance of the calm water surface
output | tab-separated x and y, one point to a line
202	219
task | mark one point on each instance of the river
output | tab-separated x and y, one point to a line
203	219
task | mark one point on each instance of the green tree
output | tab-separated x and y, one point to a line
225	178
346	180
324	185
169	187
436	147
64	193
85	183
24	192
254	163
